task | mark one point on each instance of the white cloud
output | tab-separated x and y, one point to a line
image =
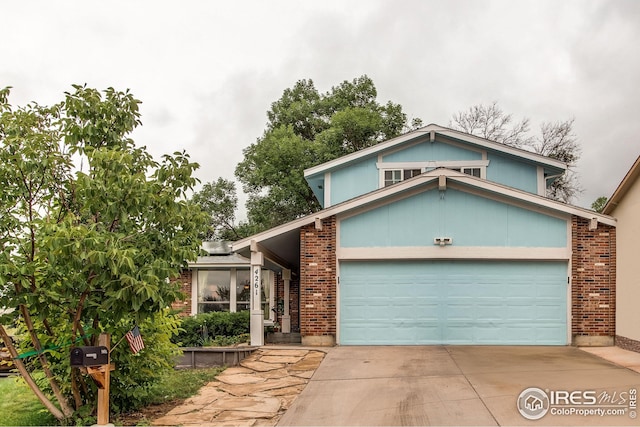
208	71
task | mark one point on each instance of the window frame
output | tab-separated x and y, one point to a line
426	166
394	179
201	301
233	303
472	168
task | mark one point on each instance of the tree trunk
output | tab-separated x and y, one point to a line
27	377
74	390
66	409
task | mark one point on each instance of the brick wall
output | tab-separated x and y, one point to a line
184	306
318	283
593	291
294	292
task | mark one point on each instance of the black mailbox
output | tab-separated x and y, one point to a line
89	356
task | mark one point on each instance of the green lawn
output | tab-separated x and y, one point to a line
20	407
182	384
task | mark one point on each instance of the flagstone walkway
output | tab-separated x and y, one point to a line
256	393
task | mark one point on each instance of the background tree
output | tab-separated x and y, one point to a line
599	204
91	230
490	122
306	128
556	140
219	200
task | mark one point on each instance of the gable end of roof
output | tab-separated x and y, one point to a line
433	130
624	186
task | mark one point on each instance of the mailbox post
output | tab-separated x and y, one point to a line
103	393
96	361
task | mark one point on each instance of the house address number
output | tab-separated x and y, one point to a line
256	282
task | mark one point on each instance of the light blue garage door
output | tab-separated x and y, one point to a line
453	302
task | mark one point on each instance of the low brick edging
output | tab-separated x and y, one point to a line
627	343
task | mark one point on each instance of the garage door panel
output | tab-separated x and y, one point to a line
458	335
548	313
519	313
453	302
490	312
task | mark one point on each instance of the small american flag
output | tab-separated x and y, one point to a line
135	340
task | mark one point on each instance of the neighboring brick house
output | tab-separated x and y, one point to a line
439	237
624	205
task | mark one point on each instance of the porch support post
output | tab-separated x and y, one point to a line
286	316
257	315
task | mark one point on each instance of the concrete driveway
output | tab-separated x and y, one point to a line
462	385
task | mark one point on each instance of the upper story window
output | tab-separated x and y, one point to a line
392	177
397	175
394	172
469	171
410	173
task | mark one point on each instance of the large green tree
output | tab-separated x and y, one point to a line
306	128
220	202
92	229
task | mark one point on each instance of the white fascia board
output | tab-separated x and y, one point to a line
216	265
453	252
370	150
472	139
518	152
531	198
419	181
624	186
327	189
541	182
334	210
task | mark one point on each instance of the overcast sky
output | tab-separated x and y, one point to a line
208	71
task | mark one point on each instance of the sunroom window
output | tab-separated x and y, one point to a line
214	290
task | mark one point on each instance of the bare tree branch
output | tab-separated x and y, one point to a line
556	140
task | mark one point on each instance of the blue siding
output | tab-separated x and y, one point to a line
316	183
354	180
427	151
469	219
512	172
453	302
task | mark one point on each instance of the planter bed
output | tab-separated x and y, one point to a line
202	357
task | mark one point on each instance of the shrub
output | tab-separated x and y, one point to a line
135	375
200	329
